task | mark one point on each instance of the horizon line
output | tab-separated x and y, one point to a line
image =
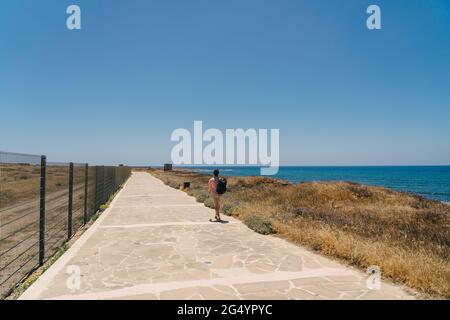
297	165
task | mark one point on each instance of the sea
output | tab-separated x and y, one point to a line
432	182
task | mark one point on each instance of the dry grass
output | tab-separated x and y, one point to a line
407	236
21	182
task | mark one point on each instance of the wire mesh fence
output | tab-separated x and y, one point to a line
42	205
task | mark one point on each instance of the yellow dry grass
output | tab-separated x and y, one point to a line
407	236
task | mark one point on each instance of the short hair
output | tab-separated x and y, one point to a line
216	172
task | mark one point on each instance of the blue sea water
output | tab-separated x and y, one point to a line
432	182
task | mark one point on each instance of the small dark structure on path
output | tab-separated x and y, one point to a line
167	167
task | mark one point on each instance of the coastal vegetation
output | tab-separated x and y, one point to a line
404	234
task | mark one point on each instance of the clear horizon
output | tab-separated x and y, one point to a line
340	94
19	155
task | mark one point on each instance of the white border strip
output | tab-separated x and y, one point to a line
163	224
244	278
163	206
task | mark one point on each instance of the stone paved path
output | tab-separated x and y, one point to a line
155	242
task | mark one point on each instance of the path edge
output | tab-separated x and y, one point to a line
33	292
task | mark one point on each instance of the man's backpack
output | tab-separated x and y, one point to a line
221	186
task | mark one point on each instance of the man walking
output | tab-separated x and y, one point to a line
212	190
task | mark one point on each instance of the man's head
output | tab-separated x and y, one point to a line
216	173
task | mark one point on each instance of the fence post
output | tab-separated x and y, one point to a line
42	211
95	188
114	184
85	217
103	185
69	211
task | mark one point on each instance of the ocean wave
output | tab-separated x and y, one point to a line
210	170
435	193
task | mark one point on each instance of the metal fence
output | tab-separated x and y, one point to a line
42	205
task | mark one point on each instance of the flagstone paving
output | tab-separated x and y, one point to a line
155	242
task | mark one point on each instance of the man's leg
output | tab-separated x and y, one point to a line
217	207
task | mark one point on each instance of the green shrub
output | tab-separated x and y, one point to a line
201	197
209	203
174	184
259	223
192	192
199	194
228	209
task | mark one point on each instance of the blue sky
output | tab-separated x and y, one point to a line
114	91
